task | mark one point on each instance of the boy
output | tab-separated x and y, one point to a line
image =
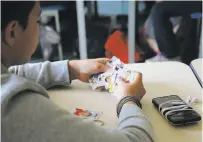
27	113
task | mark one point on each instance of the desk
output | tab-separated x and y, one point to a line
196	66
160	79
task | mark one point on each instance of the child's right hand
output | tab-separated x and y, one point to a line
135	89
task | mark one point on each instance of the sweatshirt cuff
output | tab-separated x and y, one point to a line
60	68
129	110
132	116
130	113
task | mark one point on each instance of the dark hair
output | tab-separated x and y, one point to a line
15	10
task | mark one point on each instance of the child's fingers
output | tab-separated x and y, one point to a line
138	78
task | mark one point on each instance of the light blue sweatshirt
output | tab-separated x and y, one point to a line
28	115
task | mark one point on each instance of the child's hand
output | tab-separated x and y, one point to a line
135	88
84	69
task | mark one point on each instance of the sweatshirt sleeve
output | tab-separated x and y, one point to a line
48	74
32	117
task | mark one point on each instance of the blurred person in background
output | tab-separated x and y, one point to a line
160	16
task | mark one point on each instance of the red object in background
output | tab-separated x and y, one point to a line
117	45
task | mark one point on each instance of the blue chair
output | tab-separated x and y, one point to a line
197	15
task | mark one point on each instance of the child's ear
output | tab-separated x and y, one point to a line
9	33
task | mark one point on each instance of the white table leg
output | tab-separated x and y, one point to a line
131	31
60	50
200	45
81	29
